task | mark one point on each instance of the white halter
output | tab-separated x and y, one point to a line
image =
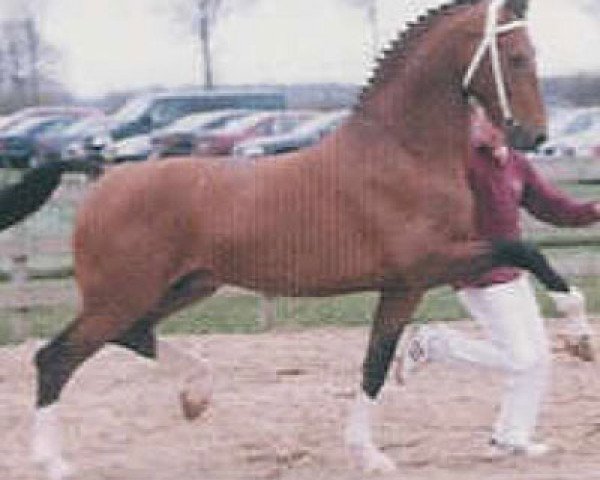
490	41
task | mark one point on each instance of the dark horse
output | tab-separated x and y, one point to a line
380	205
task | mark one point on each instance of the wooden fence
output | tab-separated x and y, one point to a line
49	238
21	245
574	251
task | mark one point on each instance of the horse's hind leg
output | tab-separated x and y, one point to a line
393	313
58	360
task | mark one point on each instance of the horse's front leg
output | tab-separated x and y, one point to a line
393	313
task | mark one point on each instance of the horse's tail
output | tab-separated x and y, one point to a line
19	200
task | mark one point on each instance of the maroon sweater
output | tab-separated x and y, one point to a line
499	192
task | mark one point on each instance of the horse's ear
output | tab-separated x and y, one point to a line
519	7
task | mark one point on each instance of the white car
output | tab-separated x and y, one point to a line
129	149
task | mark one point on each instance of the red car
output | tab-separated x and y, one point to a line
221	141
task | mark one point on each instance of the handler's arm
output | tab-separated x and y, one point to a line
548	203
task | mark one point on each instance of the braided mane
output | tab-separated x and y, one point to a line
394	56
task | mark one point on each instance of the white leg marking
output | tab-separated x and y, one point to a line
47	443
359	441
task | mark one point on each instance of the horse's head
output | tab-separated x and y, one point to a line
501	72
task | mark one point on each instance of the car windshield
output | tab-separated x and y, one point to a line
243	123
31	124
581	122
131	110
202	120
90	124
53	127
577	125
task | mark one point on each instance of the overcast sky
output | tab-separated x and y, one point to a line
117	44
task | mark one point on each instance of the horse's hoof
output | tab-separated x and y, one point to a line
371	460
192	405
581	347
380	464
56	468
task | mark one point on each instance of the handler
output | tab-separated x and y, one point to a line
502	301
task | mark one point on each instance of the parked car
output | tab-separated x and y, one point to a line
149	112
174	139
221	140
302	136
179	138
17	144
581	119
130	149
582	144
71	142
47	111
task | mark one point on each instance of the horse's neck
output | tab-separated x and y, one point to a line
425	110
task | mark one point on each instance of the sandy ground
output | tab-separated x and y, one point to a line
280	404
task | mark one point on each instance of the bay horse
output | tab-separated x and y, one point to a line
380	205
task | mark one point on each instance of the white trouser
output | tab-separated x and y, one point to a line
517	346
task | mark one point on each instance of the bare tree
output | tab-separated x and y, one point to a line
202	18
15	67
28	61
207	12
32	42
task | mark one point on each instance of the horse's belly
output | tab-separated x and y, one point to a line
300	264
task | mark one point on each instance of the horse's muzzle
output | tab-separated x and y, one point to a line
523	138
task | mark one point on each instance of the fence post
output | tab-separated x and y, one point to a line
19	276
267	312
